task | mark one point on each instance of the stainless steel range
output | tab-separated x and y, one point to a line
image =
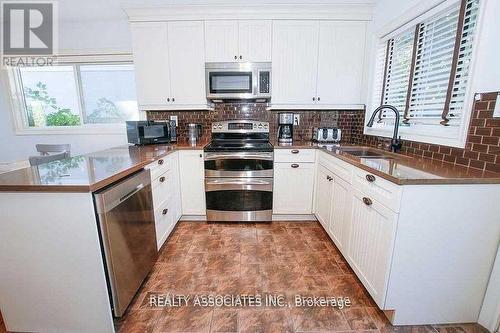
239	172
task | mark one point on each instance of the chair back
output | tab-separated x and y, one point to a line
37	160
46	149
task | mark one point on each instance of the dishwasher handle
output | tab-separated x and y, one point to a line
131	193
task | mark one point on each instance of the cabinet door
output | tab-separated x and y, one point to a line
371	240
340	62
187	62
323	197
192	174
340	212
221	41
254	40
149	43
295	57
293	188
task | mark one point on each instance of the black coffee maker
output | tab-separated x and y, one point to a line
285	127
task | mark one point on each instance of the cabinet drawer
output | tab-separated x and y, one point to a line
163	188
294	155
160	166
164	220
377	188
340	168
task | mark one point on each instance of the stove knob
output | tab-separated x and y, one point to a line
265	125
219	126
260	126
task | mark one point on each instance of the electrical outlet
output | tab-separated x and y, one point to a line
174	118
296	119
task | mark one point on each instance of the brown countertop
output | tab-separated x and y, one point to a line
89	172
405	170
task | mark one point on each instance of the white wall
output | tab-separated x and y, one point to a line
86	36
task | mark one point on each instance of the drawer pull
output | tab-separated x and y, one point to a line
294	166
165	211
160	162
162	179
370	178
295	151
329	178
367	201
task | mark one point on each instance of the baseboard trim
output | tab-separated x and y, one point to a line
193	218
286	217
276	217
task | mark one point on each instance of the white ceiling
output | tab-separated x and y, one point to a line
89	10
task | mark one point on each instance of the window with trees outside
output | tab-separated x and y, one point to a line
424	72
75	95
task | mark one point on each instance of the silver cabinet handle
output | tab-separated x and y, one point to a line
165	211
235	57
295	166
168	99
295	151
329	178
173	99
370	178
241	57
160	162
318	99
367	201
314	98
162	179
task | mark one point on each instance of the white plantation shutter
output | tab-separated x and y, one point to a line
428	84
460	78
400	52
379	75
434	57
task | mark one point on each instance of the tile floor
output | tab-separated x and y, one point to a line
285	258
281	258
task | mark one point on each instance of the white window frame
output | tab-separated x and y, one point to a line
19	117
443	135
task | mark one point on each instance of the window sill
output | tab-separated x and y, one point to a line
453	140
103	129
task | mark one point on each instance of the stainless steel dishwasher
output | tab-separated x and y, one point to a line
126	222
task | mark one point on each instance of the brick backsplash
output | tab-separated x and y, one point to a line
257	111
482	149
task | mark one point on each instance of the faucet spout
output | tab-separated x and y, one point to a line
395	142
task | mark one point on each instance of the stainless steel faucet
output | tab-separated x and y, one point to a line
395	142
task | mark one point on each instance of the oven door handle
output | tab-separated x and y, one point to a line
244	156
238	184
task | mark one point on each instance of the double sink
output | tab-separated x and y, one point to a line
363	152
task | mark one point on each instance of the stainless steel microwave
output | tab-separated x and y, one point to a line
229	81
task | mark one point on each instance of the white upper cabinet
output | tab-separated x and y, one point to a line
238	41
254	40
152	72
340	62
169	65
318	65
187	62
295	57
221	41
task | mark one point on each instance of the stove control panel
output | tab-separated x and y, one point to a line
240	126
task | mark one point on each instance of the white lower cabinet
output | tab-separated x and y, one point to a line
166	195
293	188
340	213
192	174
324	189
361	227
371	240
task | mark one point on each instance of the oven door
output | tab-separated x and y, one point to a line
239	199
238	164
